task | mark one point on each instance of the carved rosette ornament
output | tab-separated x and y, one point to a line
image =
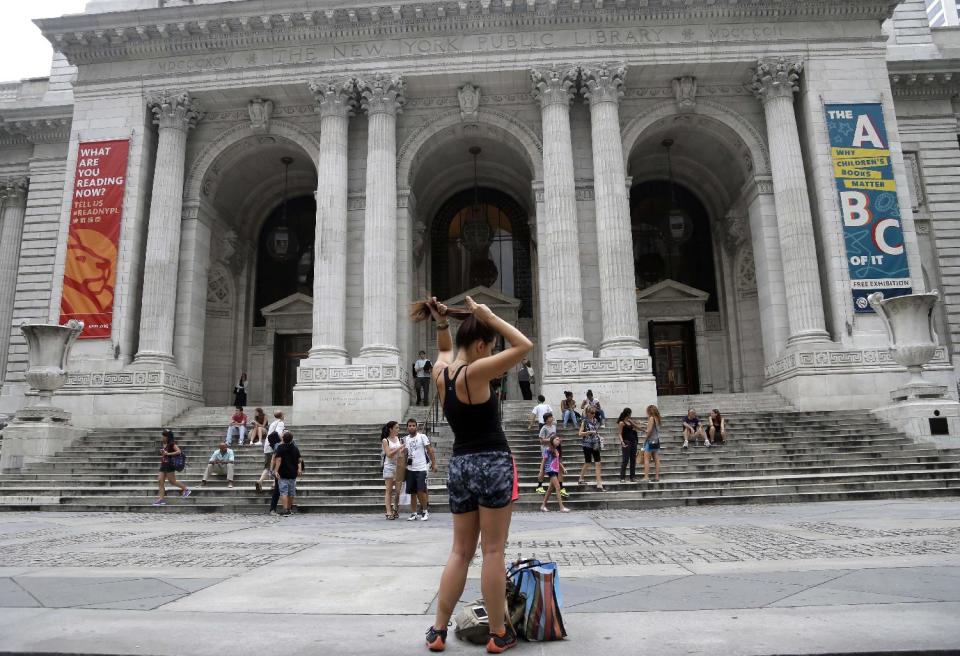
554	86
261	111
335	97
175	109
382	94
603	83
13	191
776	79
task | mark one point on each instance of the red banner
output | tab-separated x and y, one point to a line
91	266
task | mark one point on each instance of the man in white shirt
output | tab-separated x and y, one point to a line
538	411
274	433
221	463
421	376
420	457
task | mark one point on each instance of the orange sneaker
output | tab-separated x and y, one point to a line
501	643
436	640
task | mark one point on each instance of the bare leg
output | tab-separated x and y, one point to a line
494	527
598	474
424	501
172	479
466	532
555	483
388	495
546	496
161	491
657	464
646	466
583	471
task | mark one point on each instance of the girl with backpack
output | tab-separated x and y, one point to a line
553	469
169	454
276	429
482	474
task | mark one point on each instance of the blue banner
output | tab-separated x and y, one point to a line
869	208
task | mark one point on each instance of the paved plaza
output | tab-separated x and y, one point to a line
775	579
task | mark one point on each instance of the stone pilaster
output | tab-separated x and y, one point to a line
774	83
381	97
13	198
603	87
174	113
561	299
336	104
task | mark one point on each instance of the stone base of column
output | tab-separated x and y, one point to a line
137	396
623	347
378	354
153	359
322	356
809	339
618	382
834	378
359	393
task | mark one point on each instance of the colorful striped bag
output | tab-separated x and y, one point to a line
539	583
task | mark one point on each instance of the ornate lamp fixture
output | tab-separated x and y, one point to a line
679	224
282	243
476	228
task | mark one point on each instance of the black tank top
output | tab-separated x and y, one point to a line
476	427
629	433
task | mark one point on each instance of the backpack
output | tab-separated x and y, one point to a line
538	584
179	461
273	439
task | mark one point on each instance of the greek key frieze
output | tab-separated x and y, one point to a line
834	360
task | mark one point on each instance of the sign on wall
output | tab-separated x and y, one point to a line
90	272
869	208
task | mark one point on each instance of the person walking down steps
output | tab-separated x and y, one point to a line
482	474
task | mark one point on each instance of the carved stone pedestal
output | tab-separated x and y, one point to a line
618	382
349	394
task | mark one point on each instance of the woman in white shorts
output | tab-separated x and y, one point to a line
391	446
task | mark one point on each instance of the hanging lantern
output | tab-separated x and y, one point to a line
282	243
476	233
679	223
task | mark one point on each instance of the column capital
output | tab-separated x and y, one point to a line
382	93
335	97
174	109
776	78
603	82
13	191
554	85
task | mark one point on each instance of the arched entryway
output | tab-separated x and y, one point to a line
699	319
257	200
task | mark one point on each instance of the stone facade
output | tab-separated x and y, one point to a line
569	103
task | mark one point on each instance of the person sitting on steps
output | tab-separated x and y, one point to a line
692	428
221	463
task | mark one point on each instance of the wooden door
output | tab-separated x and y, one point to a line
288	351
674	350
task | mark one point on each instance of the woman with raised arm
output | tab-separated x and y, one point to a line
482	475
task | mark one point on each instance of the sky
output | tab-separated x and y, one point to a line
23	50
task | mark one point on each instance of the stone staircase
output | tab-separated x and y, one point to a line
774	455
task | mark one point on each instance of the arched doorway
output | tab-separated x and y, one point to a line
242	200
698	318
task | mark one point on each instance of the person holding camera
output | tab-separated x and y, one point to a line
421	376
420	458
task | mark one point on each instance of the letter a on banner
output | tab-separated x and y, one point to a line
90	270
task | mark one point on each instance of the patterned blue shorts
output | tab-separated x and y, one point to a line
480	479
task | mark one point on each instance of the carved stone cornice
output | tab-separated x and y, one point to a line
554	86
204	28
13	191
174	109
777	78
337	97
603	82
381	94
925	85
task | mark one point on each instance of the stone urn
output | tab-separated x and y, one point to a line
909	322
48	349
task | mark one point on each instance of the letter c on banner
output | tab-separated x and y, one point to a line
880	239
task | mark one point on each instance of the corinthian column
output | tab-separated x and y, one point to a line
174	113
381	98
774	83
336	103
13	197
618	296
561	299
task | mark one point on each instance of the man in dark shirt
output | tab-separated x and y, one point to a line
288	466
693	429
